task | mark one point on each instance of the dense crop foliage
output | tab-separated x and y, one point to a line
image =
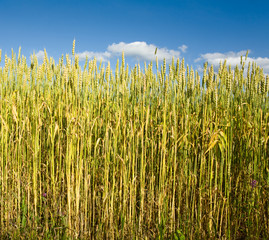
144	153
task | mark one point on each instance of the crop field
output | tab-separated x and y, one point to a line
152	152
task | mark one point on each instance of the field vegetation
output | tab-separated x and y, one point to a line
145	153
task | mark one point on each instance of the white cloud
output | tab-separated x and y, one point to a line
137	50
200	69
262	62
99	55
183	48
142	51
40	55
233	59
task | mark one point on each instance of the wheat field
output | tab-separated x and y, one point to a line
153	152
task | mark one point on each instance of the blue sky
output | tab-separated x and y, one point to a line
199	31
